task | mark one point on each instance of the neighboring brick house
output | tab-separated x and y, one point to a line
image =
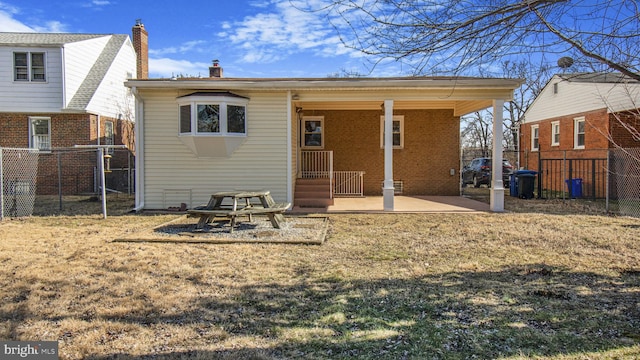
61	90
581	116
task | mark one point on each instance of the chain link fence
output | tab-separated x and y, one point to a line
18	172
624	174
60	181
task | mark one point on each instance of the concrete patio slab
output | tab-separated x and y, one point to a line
404	204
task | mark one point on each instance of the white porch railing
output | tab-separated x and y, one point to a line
316	164
319	165
348	183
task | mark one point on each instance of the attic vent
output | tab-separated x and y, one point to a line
555	88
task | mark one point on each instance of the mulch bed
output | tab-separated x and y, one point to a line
295	230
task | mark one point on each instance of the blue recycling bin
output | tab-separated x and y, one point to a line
575	187
513	185
530	183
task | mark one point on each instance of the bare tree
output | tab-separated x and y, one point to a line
475	133
459	36
535	80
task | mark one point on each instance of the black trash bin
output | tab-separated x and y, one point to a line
526	185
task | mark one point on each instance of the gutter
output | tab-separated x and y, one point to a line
139	162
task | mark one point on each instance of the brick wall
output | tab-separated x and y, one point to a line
596	141
77	166
431	149
625	127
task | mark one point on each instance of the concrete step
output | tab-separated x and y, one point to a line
304	194
301	181
312	203
312	193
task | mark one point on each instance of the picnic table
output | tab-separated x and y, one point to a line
240	205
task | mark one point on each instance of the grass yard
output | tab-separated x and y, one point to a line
548	280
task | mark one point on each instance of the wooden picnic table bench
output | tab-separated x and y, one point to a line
215	208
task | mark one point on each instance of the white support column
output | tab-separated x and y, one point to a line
496	202
388	189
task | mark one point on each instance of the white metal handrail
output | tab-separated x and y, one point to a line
317	165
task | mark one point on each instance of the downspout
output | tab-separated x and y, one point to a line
289	150
139	161
64	83
99	160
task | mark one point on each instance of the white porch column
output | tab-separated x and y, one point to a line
387	189
496	203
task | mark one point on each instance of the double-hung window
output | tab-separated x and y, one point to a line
397	130
578	133
29	66
313	132
535	137
40	133
555	133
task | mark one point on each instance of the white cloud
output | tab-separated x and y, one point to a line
166	68
52	27
101	2
8	23
270	36
187	46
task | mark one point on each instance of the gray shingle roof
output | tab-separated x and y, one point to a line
597	77
43	39
97	73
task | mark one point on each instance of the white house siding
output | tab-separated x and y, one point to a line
580	97
79	59
27	96
173	174
112	98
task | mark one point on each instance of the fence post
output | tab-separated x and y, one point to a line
606	182
593	178
570	177
60	180
540	171
1	188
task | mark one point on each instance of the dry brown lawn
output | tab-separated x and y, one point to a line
544	280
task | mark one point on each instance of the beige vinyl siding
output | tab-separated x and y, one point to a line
31	96
171	168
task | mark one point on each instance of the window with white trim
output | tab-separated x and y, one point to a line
313	132
212	124
40	133
29	66
221	114
578	132
555	133
535	137
398	131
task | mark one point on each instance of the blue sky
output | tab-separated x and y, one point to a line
251	38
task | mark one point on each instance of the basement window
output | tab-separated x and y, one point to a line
212	124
